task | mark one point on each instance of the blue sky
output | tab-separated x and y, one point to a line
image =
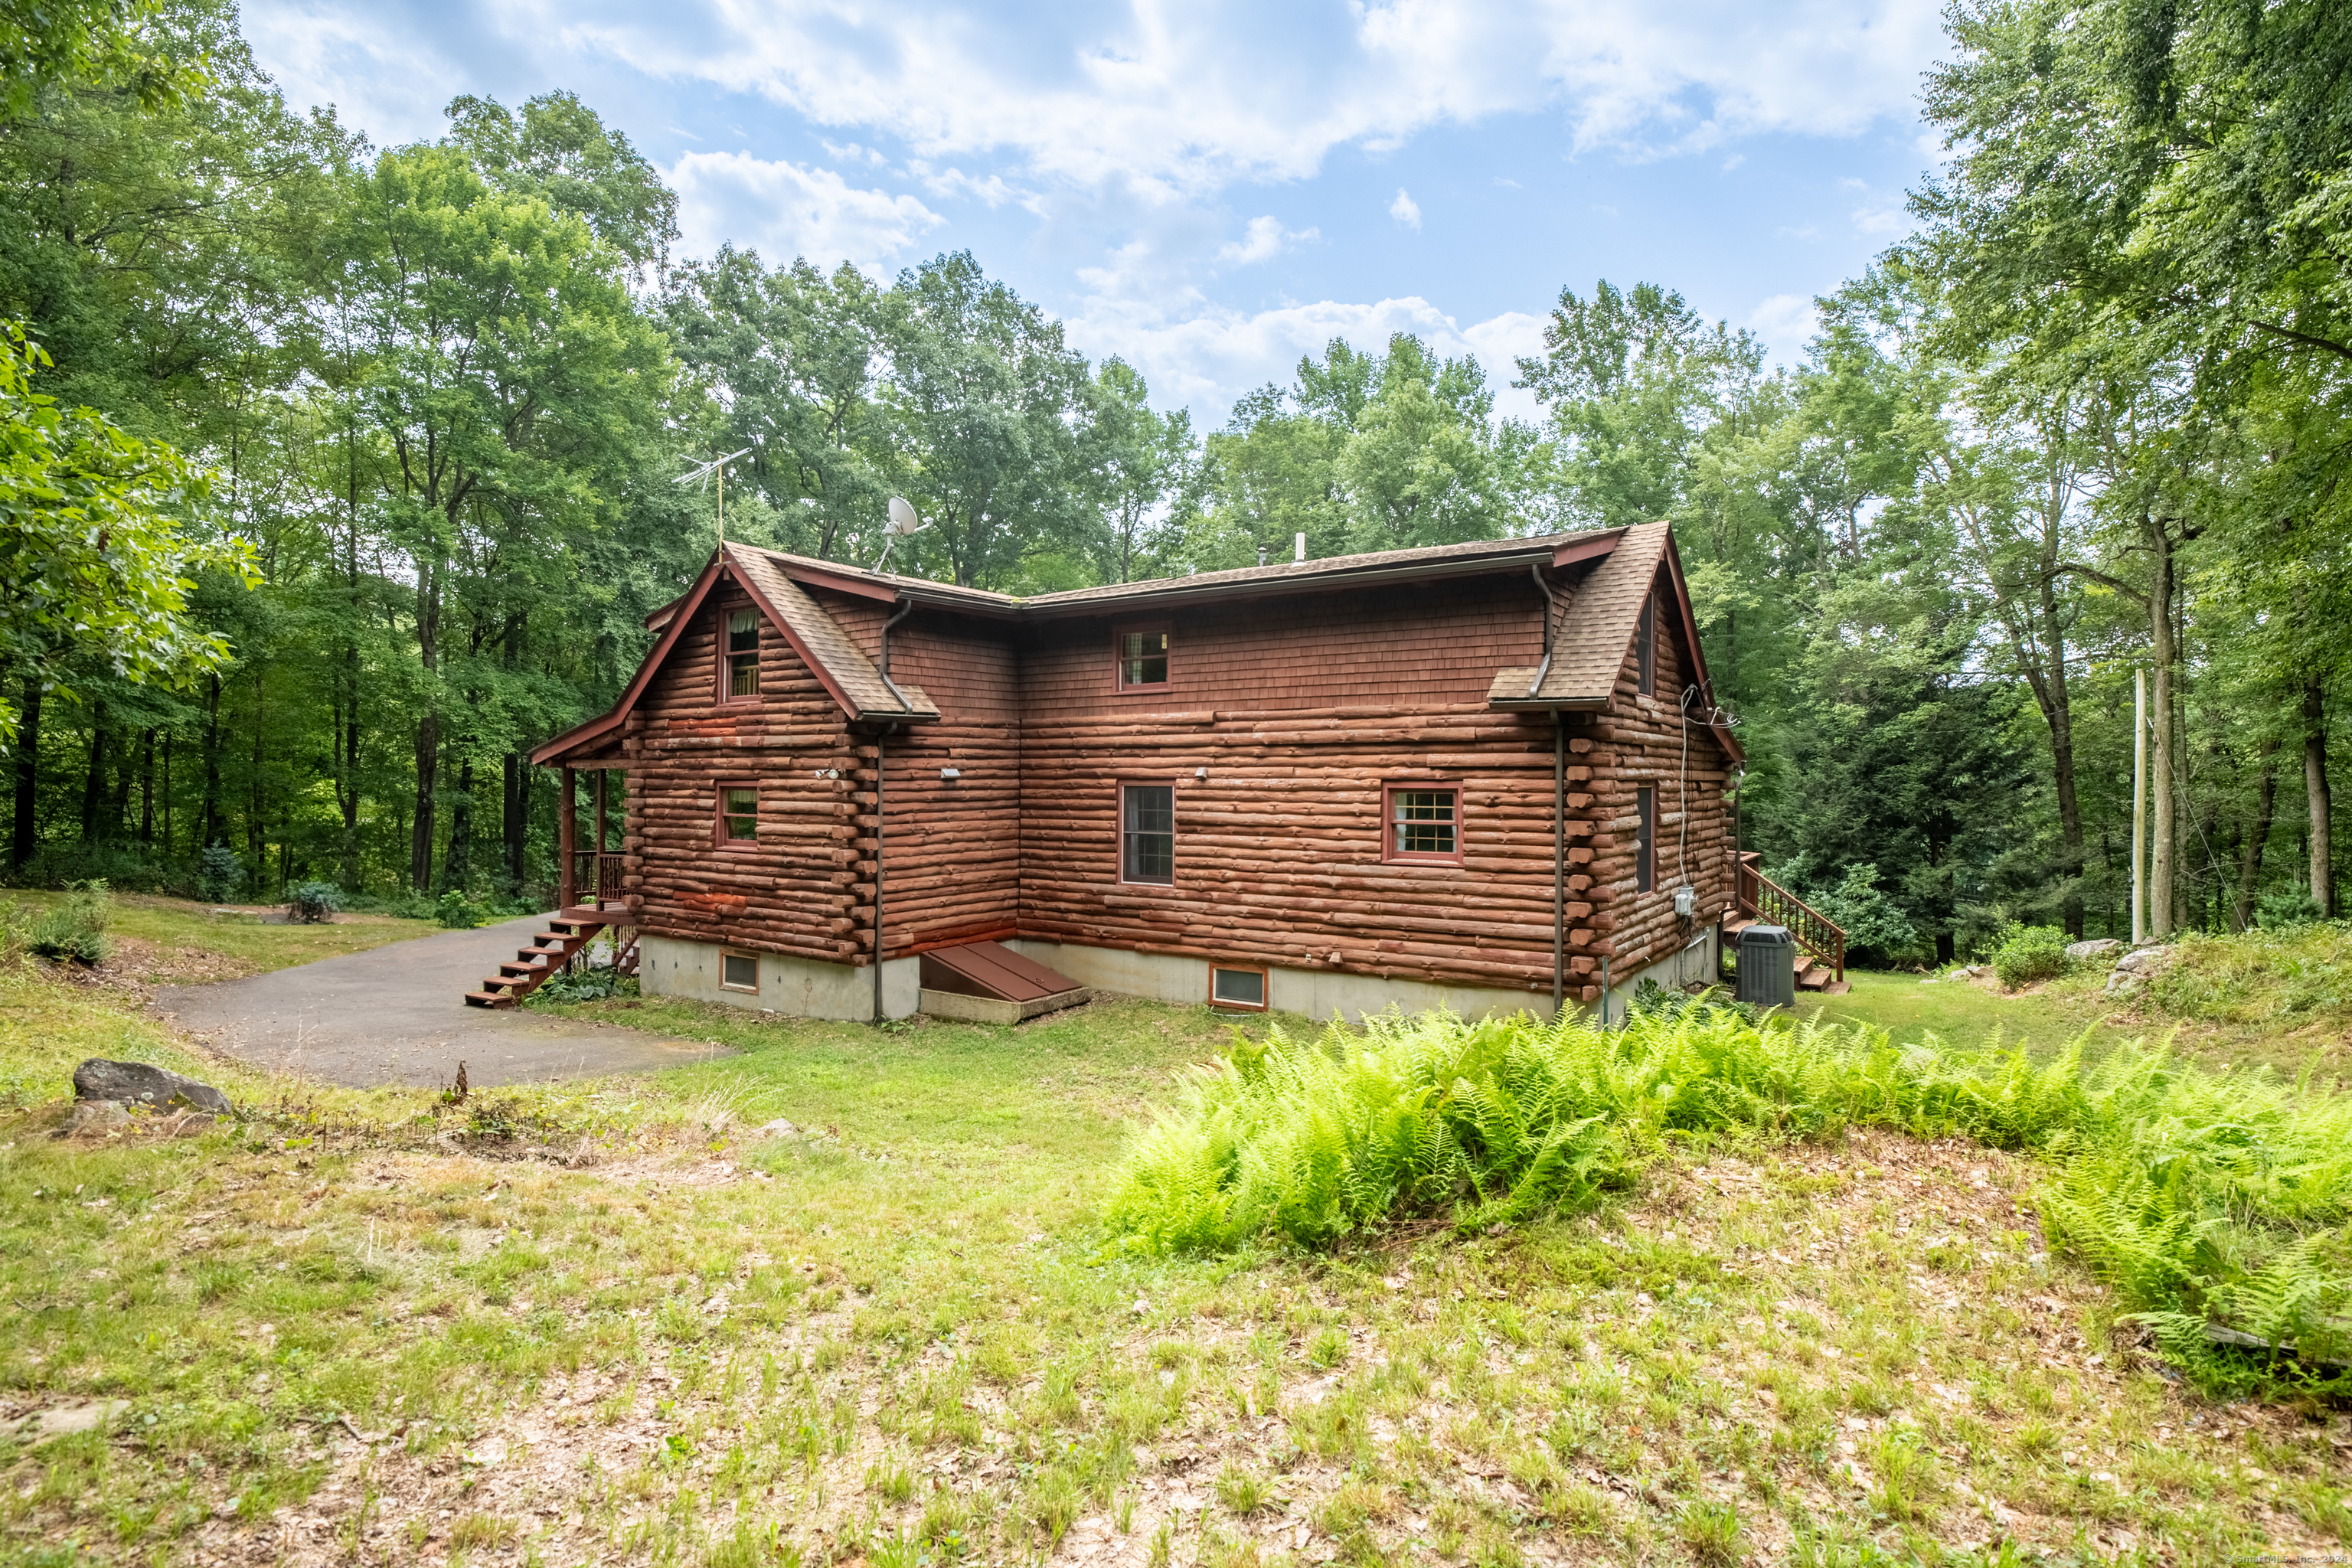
1212	188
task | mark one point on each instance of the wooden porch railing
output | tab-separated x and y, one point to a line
596	877
1767	901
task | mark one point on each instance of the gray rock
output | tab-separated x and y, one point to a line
137	1083
66	1419
779	1128
2099	949
2144	961
95	1117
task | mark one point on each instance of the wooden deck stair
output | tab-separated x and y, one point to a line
551	950
1821	942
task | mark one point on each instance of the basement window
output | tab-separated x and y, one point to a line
1424	824
1142	657
742	654
1241	988
1148	834
739	816
740	972
1645	838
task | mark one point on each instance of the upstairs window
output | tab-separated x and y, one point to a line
1645	838
739	816
1424	824
742	677
1142	657
1148	834
1645	646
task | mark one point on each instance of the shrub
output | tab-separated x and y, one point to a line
2028	954
458	912
311	902
220	875
74	928
588	985
2199	1196
127	866
2285	909
1876	930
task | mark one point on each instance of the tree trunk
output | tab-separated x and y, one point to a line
420	832
514	820
460	869
257	827
2314	786
147	788
93	784
428	730
24	835
2250	859
2161	828
208	820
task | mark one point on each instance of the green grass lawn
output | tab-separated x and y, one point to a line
605	1322
2224	1027
178	934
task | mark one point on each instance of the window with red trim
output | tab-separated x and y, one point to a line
739	671
739	816
1424	823
1646	837
1147	850
1140	655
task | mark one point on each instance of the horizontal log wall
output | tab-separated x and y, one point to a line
951	849
802	890
1300	711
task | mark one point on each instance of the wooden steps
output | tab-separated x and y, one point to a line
550	950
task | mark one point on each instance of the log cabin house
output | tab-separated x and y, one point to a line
1487	777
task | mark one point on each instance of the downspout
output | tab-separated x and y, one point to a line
906	607
1558	807
879	736
1558	858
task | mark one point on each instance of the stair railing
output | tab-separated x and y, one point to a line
1761	897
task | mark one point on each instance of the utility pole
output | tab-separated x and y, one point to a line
2139	808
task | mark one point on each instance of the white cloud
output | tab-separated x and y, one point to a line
1881	220
785	210
1405	210
1169	96
1210	356
1786	322
1265	239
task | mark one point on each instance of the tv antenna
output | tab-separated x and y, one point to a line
701	476
903	522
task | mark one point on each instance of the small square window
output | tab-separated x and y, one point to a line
740	972
739	815
743	653
1424	824
1148	834
1142	657
1238	988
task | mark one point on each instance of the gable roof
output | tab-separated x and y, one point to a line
830	653
1593	633
1596	633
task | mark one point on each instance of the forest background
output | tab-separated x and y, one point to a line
334	477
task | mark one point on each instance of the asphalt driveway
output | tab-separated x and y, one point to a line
396	1015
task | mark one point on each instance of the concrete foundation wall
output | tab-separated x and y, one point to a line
1316	993
802	988
1695	964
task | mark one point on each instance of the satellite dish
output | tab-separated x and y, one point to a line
903	521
